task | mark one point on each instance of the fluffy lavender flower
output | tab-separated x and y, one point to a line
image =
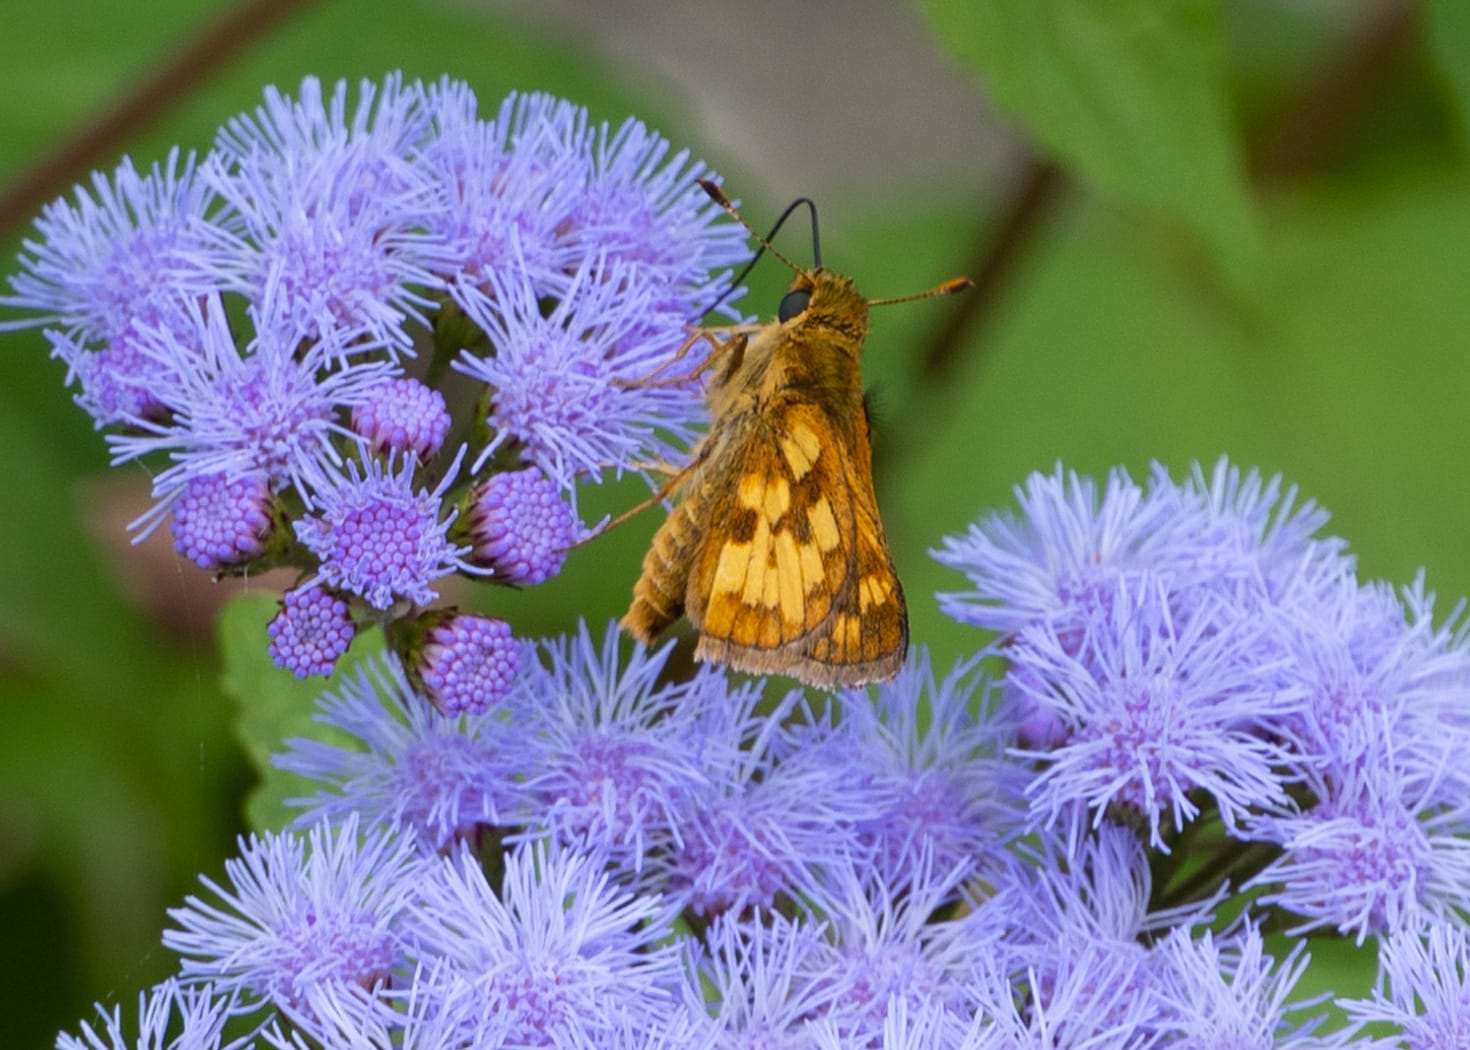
1156	712
329	206
763	982
886	943
219	523
613	752
1234	994
119	382
1060	560
469	663
938	746
520	527
565	384
406	763
311	632
201	1017
269	412
401	416
303	921
503	190
130	253
378	537
927	1027
1423	988
1376	852
642	206
559	952
1097	998
1263	540
767	817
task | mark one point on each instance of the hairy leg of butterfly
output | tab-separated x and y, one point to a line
676	476
738	336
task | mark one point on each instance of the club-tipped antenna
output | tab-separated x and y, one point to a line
718	196
949	287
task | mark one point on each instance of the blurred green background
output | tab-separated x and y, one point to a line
1201	228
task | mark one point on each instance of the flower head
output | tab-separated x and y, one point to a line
218	523
614	751
303	919
1158	710
130	254
405	763
402	416
378	537
311	632
520	526
469	663
560	952
330	206
201	1016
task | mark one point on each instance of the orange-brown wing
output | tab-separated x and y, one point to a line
795	577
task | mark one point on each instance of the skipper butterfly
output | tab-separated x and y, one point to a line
776	552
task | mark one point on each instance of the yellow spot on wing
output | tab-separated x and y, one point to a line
730	570
800	447
778	498
824	525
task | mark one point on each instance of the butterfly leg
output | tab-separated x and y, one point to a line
734	343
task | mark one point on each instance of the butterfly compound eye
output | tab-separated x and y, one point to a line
792	304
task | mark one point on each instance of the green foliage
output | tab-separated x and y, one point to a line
1315	327
274	705
1129	94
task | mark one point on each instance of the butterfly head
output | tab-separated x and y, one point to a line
825	299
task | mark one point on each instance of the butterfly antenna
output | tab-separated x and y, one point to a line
718	196
949	287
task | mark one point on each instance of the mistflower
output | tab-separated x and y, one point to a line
763	982
503	190
1231	992
303	920
1373	854
643	206
1423	988
330	211
927	1027
567	385
561	953
380	538
402	416
1061	560
613	751
117	383
520	527
469	663
201	1015
887	939
752	834
311	632
1159	714
269	410
405	763
938	748
219	522
130	254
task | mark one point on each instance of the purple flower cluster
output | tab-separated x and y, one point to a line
278	324
1193	726
1189	724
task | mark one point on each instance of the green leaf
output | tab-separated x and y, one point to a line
1448	32
274	705
1128	94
